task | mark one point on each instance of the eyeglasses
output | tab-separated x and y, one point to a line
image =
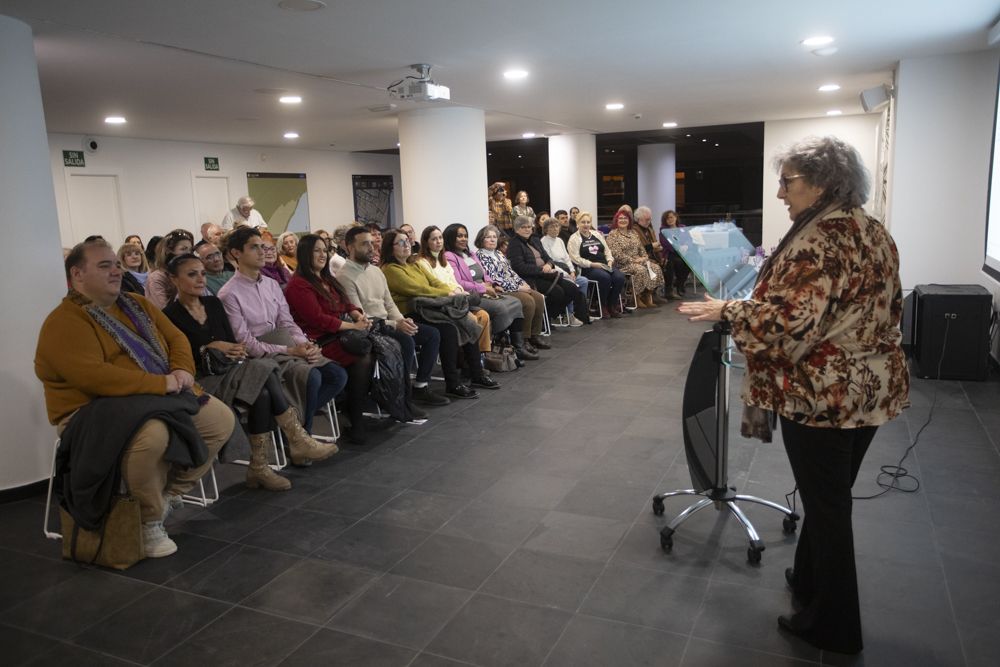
213	255
402	243
783	180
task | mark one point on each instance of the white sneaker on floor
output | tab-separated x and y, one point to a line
155	541
573	322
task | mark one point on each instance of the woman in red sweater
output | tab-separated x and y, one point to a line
320	306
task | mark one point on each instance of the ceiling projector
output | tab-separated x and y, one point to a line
419	88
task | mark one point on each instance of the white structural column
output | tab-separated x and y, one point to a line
657	178
32	275
442	164
573	172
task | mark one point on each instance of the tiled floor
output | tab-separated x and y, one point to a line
516	530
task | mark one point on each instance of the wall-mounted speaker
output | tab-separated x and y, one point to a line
872	99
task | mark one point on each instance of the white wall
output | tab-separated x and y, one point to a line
573	172
155	178
657	178
861	131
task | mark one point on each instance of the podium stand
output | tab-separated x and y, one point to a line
706	444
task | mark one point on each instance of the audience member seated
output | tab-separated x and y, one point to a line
325	235
274	267
135	269
563	264
588	249
243	215
675	269
529	259
568	226
211	233
627	248
506	312
225	370
287	243
258	314
339	244
499	273
650	243
407	282
159	287
521	207
376	232
136	239
431	257
412	235
216	274
154	242
365	285
109	362
321	308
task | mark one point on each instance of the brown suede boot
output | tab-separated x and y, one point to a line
301	445
644	300
259	474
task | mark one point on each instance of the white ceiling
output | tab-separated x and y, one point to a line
191	69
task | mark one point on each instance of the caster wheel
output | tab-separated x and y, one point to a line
658	506
753	555
666	543
788	525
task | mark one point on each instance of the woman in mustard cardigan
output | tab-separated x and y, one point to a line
406	280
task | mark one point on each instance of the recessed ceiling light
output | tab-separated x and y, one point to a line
687	135
828	88
115	120
489	155
290	99
704	140
291	135
614	106
670	124
716	145
301	5
817	40
528	135
397	144
515	74
834	112
518	157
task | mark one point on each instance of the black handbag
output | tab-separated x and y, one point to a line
353	341
215	362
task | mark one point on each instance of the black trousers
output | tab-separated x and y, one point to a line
563	293
825	462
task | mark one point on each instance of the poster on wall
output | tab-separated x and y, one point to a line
373	200
281	199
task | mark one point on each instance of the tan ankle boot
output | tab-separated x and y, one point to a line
259	473
301	445
643	300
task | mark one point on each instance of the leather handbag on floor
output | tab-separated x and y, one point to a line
118	544
500	359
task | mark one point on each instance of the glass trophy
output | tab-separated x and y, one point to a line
720	257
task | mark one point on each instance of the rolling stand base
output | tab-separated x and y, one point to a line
722	498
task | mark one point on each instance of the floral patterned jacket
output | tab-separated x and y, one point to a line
821	330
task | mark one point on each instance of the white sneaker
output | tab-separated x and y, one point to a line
573	322
170	503
155	541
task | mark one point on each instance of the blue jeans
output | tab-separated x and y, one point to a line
325	382
429	340
609	284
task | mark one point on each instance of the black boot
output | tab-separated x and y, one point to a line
522	352
539	344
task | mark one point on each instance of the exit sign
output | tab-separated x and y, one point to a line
74	159
211	164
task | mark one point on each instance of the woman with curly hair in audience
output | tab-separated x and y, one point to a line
431	257
287	243
135	269
159	288
274	267
629	252
506	312
502	277
407	280
225	370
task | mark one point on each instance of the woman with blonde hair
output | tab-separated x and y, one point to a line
135	267
588	250
287	243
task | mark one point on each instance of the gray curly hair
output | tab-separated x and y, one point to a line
830	164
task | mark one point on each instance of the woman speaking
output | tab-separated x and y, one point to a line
822	343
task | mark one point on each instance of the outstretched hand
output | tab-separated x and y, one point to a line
708	310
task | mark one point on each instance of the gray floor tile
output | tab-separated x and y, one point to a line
703	653
645	597
546	580
298	533
351	499
603	500
464	480
231	519
372	545
394	471
419	509
20	646
597	642
329	647
68	654
524	489
192	550
489	522
493	632
310	591
401	611
233	573
589	537
240	638
151	626
453	561
26	576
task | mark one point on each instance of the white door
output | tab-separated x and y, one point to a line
211	199
95	207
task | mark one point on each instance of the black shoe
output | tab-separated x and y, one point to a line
354	436
486	382
539	343
790	578
427	397
415	412
524	354
785	623
461	391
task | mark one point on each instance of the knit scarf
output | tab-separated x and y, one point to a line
143	347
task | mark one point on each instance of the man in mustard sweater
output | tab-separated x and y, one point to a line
101	343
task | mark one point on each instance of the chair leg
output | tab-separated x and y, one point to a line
203	499
546	325
331	416
48	502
